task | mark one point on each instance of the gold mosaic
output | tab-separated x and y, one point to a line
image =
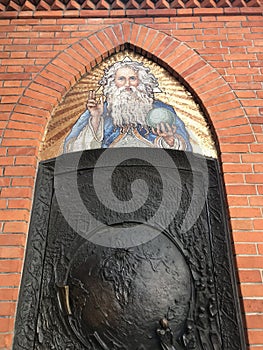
172	93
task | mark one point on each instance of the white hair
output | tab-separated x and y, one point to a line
146	78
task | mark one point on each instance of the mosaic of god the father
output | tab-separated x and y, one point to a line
130	116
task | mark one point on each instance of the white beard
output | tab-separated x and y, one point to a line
128	107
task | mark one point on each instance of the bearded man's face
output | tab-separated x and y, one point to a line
128	101
126	77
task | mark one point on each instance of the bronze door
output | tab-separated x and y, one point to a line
156	276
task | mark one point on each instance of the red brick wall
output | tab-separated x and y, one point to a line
219	55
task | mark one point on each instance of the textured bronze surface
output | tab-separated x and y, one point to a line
174	292
123	292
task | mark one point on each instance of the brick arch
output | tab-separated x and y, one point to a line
213	92
35	107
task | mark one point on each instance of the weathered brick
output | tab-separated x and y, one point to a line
252	158
245	249
250	261
255	336
6	341
241	189
6	324
11	252
249	276
16	192
20	170
15	227
215	51
245	212
237	168
12	215
254	321
7	309
239	224
12	240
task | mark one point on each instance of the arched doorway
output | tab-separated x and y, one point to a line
206	310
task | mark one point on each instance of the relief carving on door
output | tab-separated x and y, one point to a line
106	280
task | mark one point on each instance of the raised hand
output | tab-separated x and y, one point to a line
95	108
166	131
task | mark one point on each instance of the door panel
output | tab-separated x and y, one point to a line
133	256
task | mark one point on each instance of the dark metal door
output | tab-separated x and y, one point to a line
129	249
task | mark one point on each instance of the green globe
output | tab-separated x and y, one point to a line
159	115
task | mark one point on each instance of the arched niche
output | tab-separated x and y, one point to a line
60	238
170	91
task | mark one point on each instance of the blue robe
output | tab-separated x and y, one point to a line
111	132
